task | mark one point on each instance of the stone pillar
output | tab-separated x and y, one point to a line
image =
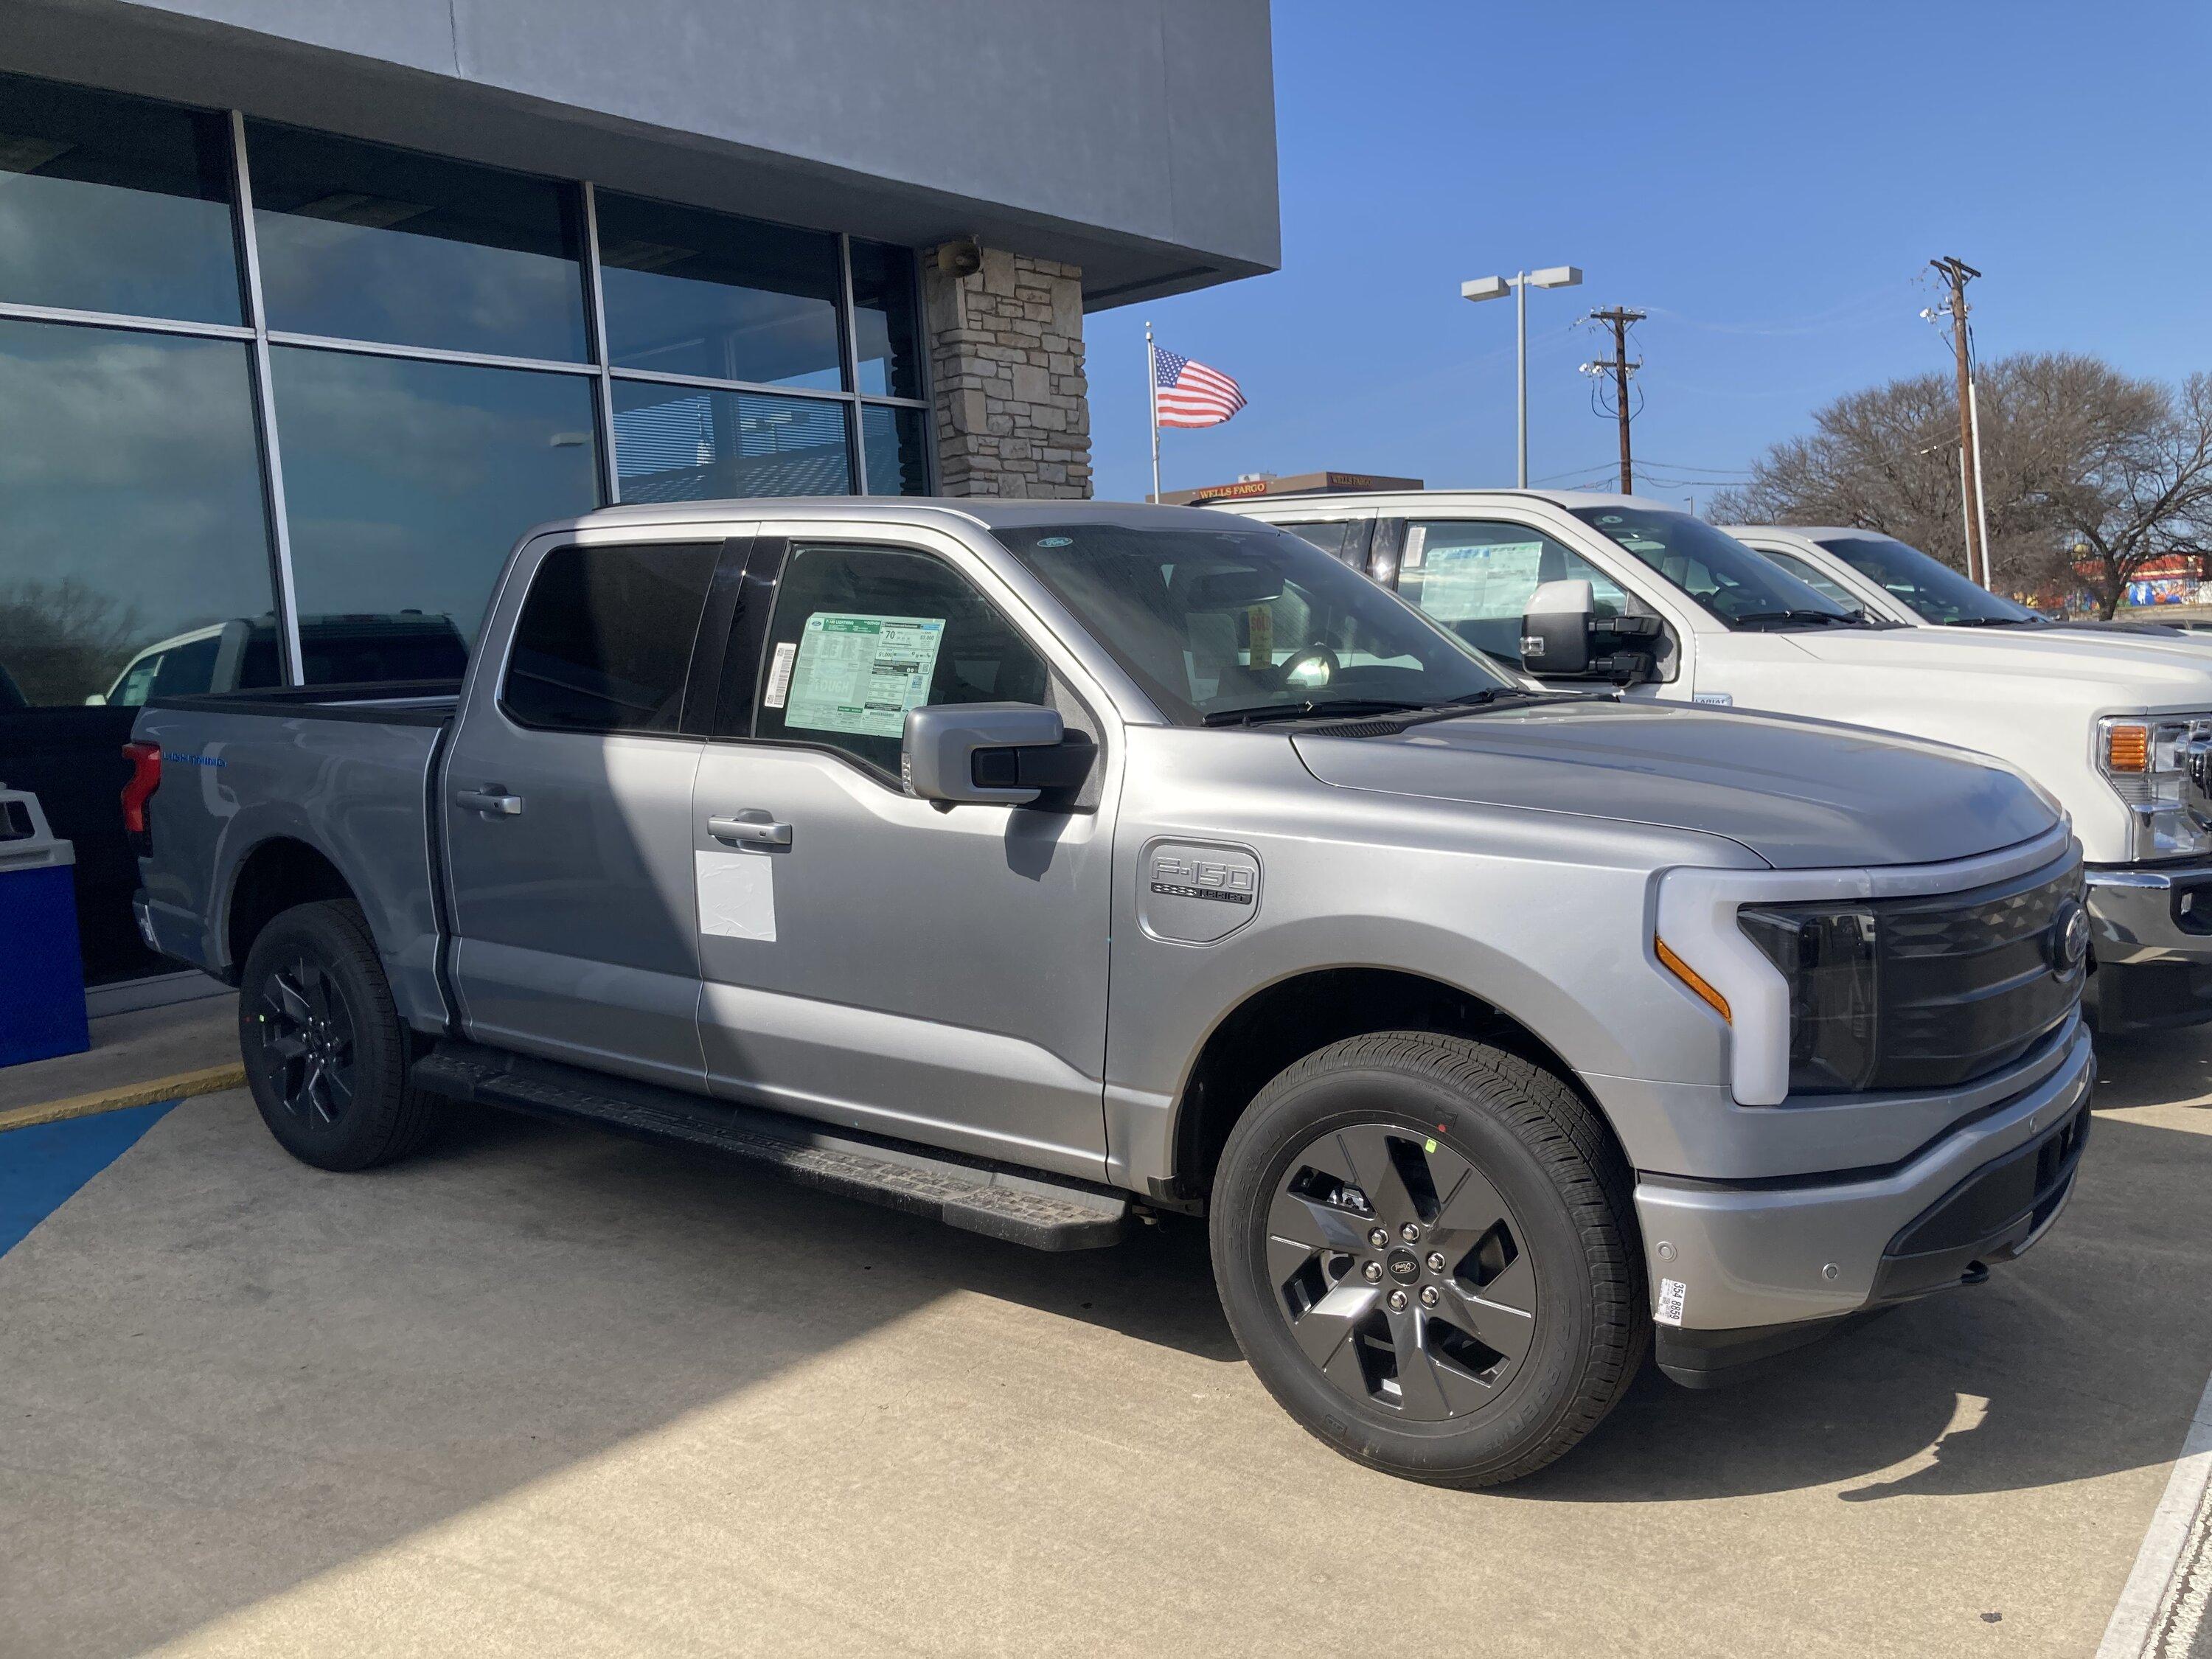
1012	413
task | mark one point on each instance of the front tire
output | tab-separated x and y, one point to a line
325	1053
1425	1248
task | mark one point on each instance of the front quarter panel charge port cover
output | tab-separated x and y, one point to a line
1194	892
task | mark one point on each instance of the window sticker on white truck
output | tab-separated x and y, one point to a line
861	674
736	895
1465	584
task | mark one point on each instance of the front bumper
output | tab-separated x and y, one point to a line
2151	932
1742	1269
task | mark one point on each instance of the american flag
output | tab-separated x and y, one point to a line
1191	394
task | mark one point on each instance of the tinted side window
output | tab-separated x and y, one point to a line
861	634
605	638
1476	578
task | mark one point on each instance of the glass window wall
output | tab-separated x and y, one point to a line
361	242
407	481
677	443
172	512
689	292
132	523
886	336
894	441
114	204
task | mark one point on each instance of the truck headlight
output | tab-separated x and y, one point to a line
1830	956
2162	766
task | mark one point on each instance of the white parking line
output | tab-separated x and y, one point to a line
2164	1602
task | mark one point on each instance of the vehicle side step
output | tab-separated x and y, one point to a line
980	1197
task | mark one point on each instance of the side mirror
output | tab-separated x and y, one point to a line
1562	637
1009	753
1555	630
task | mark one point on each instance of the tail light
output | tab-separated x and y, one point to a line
145	760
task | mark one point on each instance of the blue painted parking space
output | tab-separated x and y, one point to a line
42	1167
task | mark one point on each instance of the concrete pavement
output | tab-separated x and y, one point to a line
545	1392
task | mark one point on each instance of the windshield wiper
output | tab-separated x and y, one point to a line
1294	711
1996	621
1825	618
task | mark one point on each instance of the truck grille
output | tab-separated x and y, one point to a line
1970	982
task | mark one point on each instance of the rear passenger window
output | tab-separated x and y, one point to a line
604	643
861	634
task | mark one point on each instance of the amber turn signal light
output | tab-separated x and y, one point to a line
1690	976
2127	748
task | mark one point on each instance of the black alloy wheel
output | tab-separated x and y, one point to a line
307	1043
326	1054
1426	1247
1401	1272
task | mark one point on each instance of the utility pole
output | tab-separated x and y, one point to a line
1956	274
1620	319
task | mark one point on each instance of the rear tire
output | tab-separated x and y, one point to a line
325	1053
1524	1313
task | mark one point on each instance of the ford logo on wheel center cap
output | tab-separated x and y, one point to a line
2069	937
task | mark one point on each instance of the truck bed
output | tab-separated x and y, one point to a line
340	772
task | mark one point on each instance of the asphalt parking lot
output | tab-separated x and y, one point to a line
550	1393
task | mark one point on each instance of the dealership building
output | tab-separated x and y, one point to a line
308	311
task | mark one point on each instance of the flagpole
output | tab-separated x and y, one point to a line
1152	400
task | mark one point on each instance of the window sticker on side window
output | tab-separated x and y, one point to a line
1490	580
861	674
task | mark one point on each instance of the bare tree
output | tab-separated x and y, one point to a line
2074	454
2139	488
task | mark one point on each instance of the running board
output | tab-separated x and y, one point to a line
1022	1209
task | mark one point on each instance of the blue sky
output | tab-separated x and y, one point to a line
1768	180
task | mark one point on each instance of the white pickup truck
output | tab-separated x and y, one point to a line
1577	587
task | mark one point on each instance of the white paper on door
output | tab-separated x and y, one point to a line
737	894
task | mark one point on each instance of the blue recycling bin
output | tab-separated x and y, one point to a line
41	969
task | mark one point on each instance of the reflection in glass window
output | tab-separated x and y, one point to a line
405	484
898	462
111	204
361	242
885	336
605	638
689	292
683	444
131	510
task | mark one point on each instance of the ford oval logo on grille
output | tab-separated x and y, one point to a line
2069	937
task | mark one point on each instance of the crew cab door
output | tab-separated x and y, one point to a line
873	959
567	808
1476	576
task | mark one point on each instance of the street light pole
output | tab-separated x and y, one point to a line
1520	374
1494	287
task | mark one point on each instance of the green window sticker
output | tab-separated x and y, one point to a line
1480	582
861	674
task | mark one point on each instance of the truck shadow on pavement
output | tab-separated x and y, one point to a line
228	1375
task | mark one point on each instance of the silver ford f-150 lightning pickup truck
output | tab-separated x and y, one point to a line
1032	864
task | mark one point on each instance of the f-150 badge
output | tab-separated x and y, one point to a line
1197	892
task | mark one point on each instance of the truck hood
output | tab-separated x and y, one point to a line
1801	794
2115	669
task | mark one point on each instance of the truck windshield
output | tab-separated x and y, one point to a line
1212	623
1929	587
1719	572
